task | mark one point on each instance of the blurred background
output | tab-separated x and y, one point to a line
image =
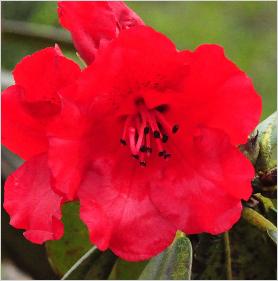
246	30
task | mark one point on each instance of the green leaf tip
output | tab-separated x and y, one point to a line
175	263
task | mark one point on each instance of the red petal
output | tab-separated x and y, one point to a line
116	207
42	75
125	17
21	133
69	148
218	94
155	78
201	189
31	203
68	160
94	24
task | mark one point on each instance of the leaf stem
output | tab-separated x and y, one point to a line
228	256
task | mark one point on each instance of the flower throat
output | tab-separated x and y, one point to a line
146	129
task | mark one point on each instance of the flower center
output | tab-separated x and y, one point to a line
146	129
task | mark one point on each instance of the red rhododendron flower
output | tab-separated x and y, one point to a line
145	137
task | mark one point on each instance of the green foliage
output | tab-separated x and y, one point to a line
258	220
174	263
253	255
75	243
124	270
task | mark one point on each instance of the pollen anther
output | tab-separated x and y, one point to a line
144	129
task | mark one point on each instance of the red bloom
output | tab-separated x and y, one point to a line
94	24
179	114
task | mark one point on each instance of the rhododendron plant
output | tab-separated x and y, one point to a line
145	137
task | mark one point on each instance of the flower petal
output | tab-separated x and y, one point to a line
21	133
126	18
156	78
218	94
30	104
201	189
42	75
70	148
116	207
94	24
68	160
31	203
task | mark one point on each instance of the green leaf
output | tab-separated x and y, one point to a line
63	253
258	220
273	235
253	256
94	265
124	270
174	263
268	143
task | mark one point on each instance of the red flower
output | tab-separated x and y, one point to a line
94	24
179	114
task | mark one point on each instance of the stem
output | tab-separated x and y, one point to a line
228	256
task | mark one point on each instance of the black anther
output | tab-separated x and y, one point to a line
156	134
167	155
175	128
143	148
164	138
143	163
146	130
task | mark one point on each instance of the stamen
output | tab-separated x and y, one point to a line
159	147
146	130
167	155
142	160
143	163
140	127
152	121
132	146
148	145
165	123
175	128
164	138
126	125
143	148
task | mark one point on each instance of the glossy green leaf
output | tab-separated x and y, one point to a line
63	253
174	263
94	265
